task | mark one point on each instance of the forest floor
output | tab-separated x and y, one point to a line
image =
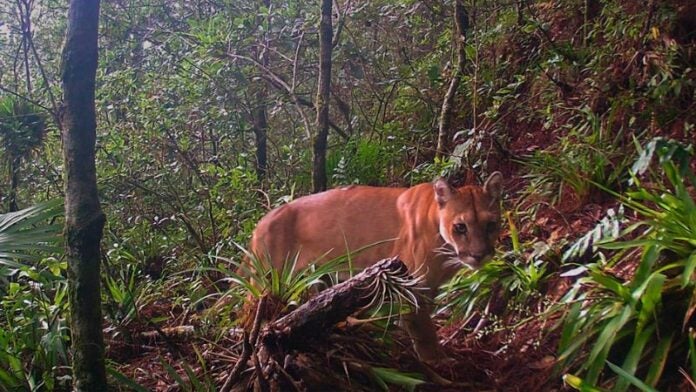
518	357
516	352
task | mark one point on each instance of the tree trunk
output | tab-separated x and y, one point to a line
84	219
319	181
260	113
260	132
461	23
14	183
520	12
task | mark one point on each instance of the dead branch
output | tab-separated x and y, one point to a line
279	83
247	349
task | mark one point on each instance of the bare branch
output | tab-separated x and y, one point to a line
277	81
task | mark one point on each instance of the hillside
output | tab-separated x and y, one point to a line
207	119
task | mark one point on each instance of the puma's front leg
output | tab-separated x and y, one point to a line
422	330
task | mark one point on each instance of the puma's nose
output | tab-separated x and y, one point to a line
479	256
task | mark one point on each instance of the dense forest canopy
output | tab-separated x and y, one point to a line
207	118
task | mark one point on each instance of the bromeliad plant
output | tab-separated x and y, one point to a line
269	292
288	284
634	328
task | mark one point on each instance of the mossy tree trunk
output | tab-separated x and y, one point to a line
84	219
319	182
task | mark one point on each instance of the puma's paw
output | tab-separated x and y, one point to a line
435	364
431	353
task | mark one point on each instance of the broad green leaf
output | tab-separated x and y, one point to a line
650	297
9	381
610	283
649	258
29	230
570	328
688	269
627	244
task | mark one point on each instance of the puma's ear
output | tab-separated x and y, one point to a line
494	185
443	191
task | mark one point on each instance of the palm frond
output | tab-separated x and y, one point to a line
28	234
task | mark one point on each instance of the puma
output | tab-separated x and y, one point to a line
434	228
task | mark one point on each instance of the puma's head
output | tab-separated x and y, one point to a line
469	219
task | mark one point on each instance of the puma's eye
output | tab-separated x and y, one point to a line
460	228
491	227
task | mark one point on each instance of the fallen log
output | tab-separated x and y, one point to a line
275	356
318	315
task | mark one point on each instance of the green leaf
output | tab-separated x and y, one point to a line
688	269
631	378
470	51
610	283
174	375
633	357
408	381
647	262
604	343
125	380
649	297
28	230
195	382
659	360
434	74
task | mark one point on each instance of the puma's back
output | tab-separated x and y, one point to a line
326	225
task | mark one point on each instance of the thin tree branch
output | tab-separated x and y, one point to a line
339	23
278	81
